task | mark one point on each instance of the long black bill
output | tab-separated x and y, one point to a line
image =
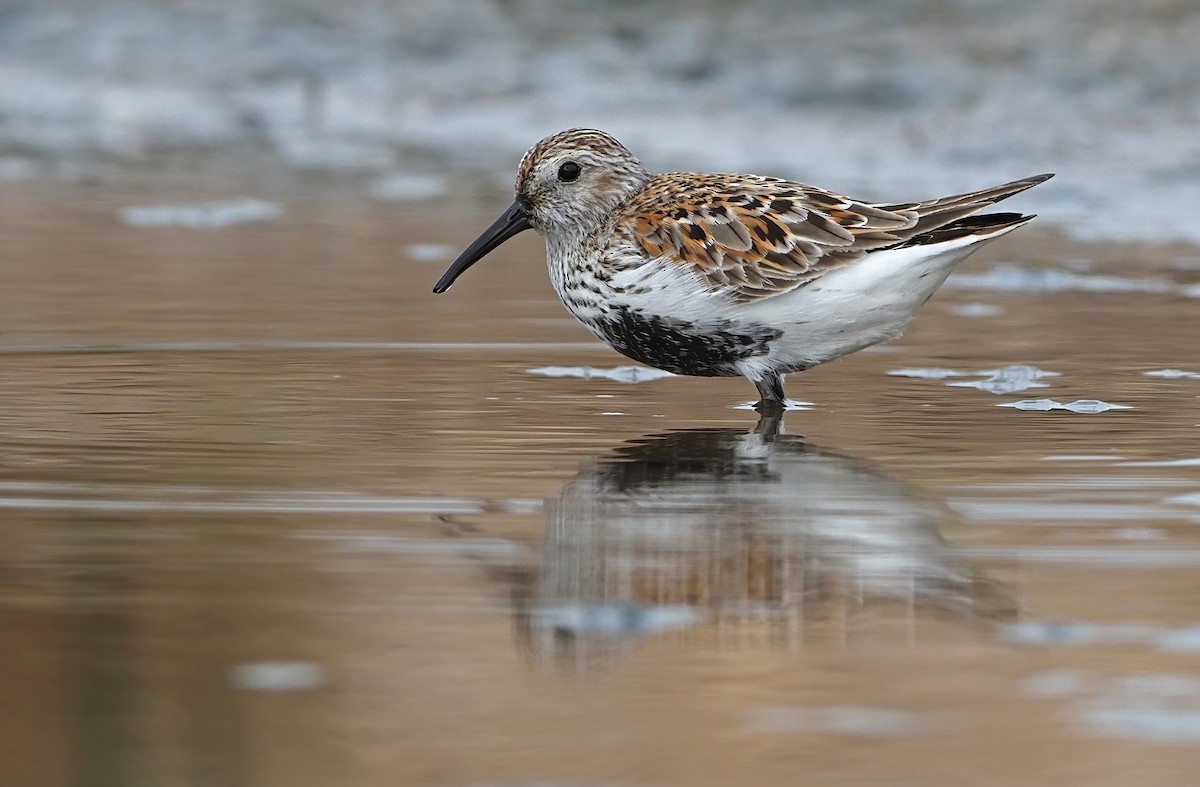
514	220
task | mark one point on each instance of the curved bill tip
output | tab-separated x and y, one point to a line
514	220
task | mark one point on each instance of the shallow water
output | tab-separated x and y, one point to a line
273	514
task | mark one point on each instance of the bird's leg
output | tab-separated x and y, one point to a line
770	391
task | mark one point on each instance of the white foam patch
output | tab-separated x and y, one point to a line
1057	633
620	374
1184	640
429	252
1137	534
1158	709
1078	406
278	676
927	374
1009	379
1192	499
1010	278
976	311
1173	374
408	187
619	620
202	215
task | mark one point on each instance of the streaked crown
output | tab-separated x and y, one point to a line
571	182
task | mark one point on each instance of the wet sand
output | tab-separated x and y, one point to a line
274	514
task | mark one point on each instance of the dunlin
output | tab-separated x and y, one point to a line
725	275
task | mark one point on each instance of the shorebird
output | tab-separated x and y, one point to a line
718	275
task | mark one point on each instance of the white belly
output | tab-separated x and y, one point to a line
865	303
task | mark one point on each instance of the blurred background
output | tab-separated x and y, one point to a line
271	513
930	95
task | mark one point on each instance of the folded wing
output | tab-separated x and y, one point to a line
756	237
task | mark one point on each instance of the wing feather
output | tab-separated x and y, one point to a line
757	237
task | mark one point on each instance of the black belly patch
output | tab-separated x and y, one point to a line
682	347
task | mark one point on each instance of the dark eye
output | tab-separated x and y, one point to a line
569	171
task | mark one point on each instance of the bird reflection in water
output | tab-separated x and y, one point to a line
738	537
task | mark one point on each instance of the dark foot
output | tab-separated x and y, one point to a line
769	406
770	392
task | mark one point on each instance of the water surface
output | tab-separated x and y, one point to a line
273	514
